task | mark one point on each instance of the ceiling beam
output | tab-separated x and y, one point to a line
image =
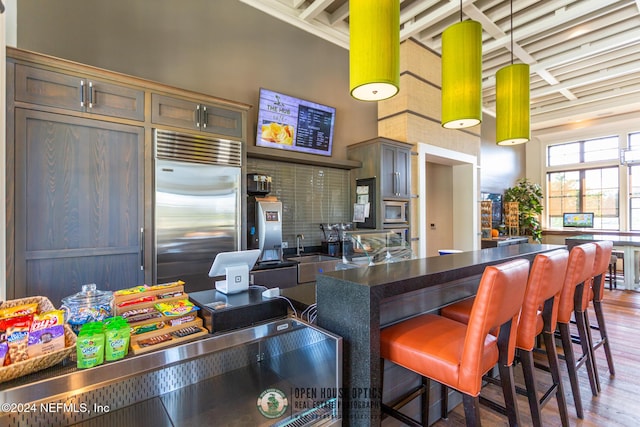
413	28
341	13
285	13
315	9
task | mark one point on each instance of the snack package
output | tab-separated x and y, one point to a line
4	349
137	301
144	314
171	294
130	291
18	310
183	319
166	285
176	308
10	321
46	320
18	338
46	334
117	338
90	345
149	327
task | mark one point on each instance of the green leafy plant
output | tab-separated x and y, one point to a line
529	197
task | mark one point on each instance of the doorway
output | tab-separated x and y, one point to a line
448	202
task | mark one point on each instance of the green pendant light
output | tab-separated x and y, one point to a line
513	122
374	52
512	105
462	74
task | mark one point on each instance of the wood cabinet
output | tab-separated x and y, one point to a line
79	173
194	115
79	189
77	93
388	162
395	171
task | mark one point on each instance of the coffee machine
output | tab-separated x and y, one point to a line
264	219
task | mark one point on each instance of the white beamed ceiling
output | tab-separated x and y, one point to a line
584	54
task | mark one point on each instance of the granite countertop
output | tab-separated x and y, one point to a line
406	276
616	239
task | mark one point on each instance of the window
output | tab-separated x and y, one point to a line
584	189
589	190
583	151
634	186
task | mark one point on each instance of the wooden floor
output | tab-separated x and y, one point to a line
619	402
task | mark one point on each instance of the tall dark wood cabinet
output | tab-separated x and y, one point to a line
80	171
80	191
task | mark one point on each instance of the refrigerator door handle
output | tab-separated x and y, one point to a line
142	249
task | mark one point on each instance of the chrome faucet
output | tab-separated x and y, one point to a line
299	245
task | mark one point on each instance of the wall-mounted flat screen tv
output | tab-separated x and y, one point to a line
294	124
577	219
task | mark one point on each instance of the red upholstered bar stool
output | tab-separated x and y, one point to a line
458	355
538	316
603	254
574	299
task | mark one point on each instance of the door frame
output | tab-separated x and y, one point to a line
465	196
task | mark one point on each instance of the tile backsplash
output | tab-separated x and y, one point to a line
310	196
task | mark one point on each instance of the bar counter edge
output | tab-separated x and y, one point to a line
351	304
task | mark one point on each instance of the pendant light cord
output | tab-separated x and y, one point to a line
511	32
460	10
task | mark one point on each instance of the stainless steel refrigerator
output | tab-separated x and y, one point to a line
197	211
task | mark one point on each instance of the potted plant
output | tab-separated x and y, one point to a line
529	197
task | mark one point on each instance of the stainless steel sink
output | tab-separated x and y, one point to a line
310	265
312	258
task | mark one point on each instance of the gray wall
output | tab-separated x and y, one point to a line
218	47
501	166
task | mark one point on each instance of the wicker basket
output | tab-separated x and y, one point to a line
44	361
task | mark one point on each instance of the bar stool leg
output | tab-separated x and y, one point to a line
444	402
426	384
509	391
526	358
471	409
597	307
554	368
586	343
565	336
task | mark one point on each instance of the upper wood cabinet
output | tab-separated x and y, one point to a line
395	171
72	92
166	110
387	160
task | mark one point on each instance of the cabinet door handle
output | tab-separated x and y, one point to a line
82	93
397	185
141	248
197	116
90	94
205	119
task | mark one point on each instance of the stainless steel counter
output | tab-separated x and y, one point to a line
218	378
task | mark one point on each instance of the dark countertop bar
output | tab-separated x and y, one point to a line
615	238
351	304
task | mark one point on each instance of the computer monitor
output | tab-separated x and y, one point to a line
235	266
577	219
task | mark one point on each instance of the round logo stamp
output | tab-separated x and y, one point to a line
272	403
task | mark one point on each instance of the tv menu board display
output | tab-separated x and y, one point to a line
294	124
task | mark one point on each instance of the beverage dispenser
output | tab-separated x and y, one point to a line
264	219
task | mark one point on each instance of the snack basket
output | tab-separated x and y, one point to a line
44	361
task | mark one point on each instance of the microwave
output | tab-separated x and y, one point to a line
394	212
401	232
